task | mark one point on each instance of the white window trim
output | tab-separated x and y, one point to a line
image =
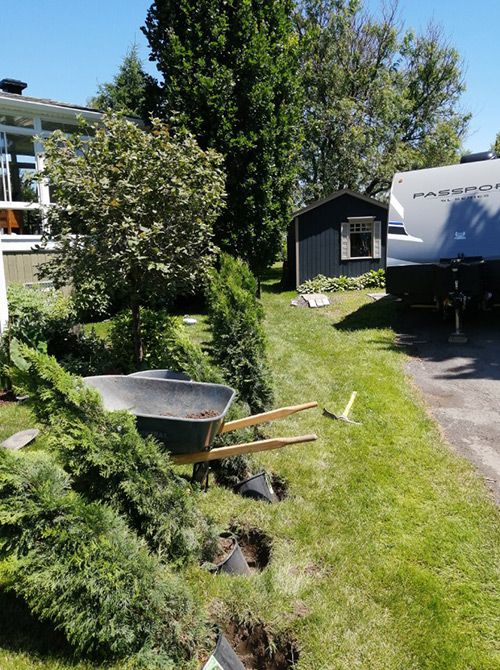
345	238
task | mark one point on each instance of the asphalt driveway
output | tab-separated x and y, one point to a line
461	383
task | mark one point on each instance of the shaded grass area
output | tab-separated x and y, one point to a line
385	554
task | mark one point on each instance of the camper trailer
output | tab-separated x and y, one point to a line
443	242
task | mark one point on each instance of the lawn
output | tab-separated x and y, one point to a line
385	553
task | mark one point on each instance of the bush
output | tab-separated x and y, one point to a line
78	565
110	462
239	344
166	345
322	284
38	316
44	319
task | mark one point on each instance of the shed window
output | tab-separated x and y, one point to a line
361	238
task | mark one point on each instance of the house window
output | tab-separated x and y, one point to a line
361	238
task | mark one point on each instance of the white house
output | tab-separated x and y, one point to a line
22	120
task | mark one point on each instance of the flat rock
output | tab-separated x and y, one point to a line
311	300
20	439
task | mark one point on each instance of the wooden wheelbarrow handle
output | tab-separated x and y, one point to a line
265	416
232	450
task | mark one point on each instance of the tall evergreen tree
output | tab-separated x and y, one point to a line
229	69
131	91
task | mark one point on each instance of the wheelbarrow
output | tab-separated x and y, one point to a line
186	416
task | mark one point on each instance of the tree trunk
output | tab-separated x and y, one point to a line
258	288
136	320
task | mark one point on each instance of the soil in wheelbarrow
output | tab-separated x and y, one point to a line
202	414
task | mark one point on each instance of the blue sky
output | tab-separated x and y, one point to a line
63	50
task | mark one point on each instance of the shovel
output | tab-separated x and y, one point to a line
343	416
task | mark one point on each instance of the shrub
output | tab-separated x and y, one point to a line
78	565
166	345
239	343
39	316
44	319
110	462
322	284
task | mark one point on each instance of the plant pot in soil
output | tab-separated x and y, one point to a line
234	563
257	487
223	657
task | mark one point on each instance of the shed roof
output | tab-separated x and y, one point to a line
344	191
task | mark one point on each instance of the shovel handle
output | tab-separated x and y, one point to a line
350	403
232	450
265	416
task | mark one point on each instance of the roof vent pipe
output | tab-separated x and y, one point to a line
13	86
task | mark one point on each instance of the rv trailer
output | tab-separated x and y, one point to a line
443	242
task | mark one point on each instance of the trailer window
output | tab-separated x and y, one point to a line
360	238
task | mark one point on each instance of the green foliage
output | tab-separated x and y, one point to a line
78	565
132	210
91	301
166	344
230	71
44	319
239	343
130	91
377	99
39	317
496	145
110	462
322	284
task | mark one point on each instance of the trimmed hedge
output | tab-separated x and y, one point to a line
238	338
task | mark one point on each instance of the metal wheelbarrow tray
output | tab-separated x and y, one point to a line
184	415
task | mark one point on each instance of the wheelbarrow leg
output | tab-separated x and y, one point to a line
201	472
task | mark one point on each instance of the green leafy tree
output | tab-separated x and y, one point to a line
378	99
496	145
131	91
229	69
133	210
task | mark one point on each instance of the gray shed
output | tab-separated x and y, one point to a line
344	234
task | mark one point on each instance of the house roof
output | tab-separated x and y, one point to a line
344	191
51	108
16	97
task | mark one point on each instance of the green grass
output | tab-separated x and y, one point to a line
385	555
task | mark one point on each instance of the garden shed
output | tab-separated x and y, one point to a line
344	234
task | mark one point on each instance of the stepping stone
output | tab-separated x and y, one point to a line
20	439
316	299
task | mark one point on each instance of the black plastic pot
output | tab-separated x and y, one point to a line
234	563
223	657
257	487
